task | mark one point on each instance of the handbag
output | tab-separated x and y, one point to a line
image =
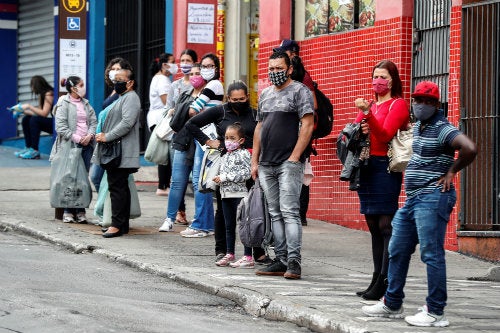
400	150
69	180
210	167
163	129
157	150
111	154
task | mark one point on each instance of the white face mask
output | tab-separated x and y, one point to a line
81	91
207	73
172	68
112	74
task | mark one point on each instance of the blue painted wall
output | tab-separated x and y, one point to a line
8	67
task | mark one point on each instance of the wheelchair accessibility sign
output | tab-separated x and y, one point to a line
73	23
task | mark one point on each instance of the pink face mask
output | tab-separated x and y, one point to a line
380	86
196	81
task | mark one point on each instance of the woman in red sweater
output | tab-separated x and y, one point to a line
379	189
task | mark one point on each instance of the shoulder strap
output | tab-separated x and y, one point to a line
394	101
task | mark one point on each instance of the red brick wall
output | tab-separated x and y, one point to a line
342	65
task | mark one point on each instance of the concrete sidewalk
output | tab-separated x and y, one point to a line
336	261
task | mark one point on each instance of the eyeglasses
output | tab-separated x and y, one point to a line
207	66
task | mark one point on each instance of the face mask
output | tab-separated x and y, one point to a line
81	91
196	81
423	111
120	87
231	145
172	68
380	86
112	74
239	106
207	73
186	68
278	78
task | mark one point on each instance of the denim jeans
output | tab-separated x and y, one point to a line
423	219
178	184
96	174
203	202
282	185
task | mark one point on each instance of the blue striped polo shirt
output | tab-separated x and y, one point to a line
432	155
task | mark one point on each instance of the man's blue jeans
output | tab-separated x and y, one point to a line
423	219
281	185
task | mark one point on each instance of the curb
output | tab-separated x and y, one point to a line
254	303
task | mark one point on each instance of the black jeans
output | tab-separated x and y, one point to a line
120	197
33	126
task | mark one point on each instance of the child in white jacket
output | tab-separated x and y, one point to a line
233	174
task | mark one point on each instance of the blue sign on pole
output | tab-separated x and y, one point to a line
73	23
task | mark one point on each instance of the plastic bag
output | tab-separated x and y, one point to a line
157	150
69	179
209	169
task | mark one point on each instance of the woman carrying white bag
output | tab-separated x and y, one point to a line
76	124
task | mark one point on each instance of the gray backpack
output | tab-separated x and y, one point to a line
253	218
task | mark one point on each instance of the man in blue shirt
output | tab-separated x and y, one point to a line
430	198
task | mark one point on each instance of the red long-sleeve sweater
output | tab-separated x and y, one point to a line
385	119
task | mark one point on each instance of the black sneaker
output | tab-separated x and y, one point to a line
276	268
266	261
293	271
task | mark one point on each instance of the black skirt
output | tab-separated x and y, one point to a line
379	189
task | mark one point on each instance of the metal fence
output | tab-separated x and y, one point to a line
135	30
480	114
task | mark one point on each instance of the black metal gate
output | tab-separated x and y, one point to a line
480	91
135	30
431	39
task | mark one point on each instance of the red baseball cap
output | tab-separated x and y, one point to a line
426	89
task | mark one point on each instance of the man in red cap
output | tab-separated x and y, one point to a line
430	198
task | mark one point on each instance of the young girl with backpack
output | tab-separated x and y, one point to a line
234	172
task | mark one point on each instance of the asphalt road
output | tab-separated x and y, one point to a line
46	289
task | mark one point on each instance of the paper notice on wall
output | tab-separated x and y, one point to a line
201	13
72	59
200	33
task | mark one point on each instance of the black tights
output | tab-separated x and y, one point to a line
380	230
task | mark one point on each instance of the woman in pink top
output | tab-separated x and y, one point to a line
75	121
379	189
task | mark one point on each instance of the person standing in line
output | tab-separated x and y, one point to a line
283	132
234	172
121	123
184	149
430	198
36	118
236	110
161	68
299	73
211	95
379	189
114	65
187	59
75	121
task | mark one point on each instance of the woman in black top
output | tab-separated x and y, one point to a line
237	109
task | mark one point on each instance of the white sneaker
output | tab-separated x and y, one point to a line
382	310
168	225
194	233
425	319
68	218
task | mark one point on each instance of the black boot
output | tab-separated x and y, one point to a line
374	279
378	289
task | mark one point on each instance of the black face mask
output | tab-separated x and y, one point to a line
239	106
120	87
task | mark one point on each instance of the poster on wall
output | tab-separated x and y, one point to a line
366	13
72	59
341	16
316	18
201	19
